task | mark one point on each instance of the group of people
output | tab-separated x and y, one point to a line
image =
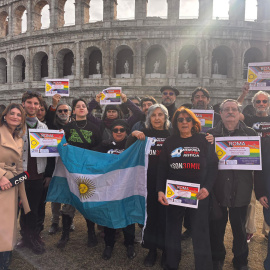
179	151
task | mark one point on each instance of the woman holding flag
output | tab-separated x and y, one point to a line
12	125
186	156
84	134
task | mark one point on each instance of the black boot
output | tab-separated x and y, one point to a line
92	239
66	220
151	258
35	245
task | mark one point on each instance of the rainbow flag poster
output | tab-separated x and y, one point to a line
259	76
44	142
239	153
206	117
57	86
182	193
111	96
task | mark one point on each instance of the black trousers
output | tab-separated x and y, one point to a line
129	235
154	232
41	210
199	220
237	217
5	258
29	223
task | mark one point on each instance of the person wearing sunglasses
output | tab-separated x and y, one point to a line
169	95
119	130
260	122
188	157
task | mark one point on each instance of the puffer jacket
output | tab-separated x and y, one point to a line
233	187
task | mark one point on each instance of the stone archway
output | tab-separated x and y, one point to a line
65	64
188	62
92	63
18	68
252	55
18	14
124	62
222	63
37	14
40	66
156	60
3	24
3	70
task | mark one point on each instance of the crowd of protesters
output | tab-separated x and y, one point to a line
180	152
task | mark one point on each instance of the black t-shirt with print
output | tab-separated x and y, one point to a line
261	124
76	129
187	160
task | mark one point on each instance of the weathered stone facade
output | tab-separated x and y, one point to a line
172	51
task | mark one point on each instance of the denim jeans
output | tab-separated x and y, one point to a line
5	260
266	213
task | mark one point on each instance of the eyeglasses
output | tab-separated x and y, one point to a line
181	119
258	101
168	93
116	130
65	111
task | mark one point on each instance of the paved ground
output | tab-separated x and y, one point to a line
78	256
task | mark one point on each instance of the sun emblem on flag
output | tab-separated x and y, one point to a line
86	187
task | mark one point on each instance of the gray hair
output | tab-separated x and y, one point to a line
150	112
254	98
230	100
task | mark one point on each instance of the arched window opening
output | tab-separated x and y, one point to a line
69	13
157	8
124	63
24	22
93	63
96	11
40	66
19	69
3	70
220	9
156	63
3	24
20	20
66	64
251	10
189	9
125	9
188	62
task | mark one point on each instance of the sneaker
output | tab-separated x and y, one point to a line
131	252
249	236
107	253
151	258
54	228
186	235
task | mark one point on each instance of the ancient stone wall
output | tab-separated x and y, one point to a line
179	52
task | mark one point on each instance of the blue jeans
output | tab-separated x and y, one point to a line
5	260
266	213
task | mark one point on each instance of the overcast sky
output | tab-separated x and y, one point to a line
126	10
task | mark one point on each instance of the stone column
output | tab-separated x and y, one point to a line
9	64
27	65
172	63
53	18
81	12
263	11
29	17
77	61
106	61
50	62
140	9
109	10
205	9
173	9
237	10
10	21
138	62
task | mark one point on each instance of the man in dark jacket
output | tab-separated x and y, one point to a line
169	95
232	191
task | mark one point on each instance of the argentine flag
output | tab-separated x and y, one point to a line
110	190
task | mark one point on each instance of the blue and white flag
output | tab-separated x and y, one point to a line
110	190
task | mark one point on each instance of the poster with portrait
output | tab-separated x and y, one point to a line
44	142
259	76
239	153
57	86
182	193
111	96
206	118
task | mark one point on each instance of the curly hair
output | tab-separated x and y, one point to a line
196	122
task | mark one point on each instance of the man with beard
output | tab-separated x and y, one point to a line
260	122
169	95
200	99
146	102
232	190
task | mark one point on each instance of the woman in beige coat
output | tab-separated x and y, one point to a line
12	124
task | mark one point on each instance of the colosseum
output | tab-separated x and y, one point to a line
141	54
